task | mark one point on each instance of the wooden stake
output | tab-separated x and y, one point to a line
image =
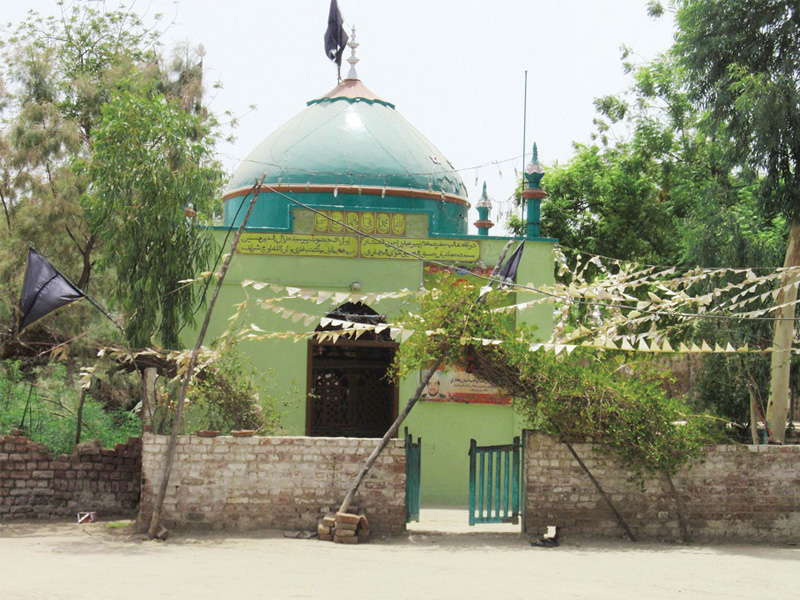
153	532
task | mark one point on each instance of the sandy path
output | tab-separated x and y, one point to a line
68	561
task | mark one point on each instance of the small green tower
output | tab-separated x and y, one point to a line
533	194
484	204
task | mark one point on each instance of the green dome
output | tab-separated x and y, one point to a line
350	149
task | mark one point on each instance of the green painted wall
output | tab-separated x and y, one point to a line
445	428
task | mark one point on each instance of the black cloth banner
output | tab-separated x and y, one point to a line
508	272
43	290
335	36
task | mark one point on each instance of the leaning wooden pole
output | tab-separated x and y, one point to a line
348	499
599	488
679	508
176	423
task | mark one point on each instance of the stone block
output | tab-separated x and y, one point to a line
347	518
346	527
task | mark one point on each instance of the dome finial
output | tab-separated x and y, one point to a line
353	44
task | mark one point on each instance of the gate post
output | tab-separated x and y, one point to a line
515	479
472	445
413	475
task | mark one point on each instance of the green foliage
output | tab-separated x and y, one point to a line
741	60
226	397
150	159
584	395
620	405
47	410
607	201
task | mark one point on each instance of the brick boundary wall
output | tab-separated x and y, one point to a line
735	492
252	483
34	484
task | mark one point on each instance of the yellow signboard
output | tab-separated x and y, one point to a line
348	246
287	244
460	250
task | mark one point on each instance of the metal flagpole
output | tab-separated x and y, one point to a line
524	125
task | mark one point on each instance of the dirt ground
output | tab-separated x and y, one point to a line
57	561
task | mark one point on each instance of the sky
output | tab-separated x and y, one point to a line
455	69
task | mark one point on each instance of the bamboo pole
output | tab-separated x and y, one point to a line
348	499
162	490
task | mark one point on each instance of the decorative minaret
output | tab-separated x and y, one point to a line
353	60
534	194
484	204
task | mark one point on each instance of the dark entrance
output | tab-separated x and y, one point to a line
349	392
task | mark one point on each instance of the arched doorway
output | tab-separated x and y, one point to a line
349	393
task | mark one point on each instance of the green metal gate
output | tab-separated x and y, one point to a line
413	470
494	483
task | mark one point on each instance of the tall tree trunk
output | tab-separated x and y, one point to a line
83	281
782	336
149	399
5	210
80	417
753	416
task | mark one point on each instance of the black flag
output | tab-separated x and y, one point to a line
508	272
43	290
335	37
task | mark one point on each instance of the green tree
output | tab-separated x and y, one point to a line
658	186
61	70
741	61
56	76
150	159
607	201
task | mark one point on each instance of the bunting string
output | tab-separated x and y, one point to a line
605	338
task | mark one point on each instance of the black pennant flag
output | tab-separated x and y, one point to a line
335	36
43	290
508	272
